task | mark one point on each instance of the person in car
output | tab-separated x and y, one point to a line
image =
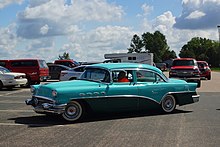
122	77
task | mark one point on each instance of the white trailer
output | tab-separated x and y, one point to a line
145	58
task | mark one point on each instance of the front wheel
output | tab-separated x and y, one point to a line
73	111
168	104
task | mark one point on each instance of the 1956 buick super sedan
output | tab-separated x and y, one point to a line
100	88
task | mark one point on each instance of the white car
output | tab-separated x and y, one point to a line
10	79
72	74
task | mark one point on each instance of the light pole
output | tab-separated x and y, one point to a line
218	32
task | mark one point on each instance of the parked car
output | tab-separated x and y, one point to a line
10	79
72	74
205	71
36	70
55	70
69	63
161	66
98	89
186	69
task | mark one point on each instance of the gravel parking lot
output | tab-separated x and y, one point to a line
191	125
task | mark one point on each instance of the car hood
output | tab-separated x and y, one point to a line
66	89
183	67
70	84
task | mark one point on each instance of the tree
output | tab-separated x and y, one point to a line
156	43
136	44
65	56
201	49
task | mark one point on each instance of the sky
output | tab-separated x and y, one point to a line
88	29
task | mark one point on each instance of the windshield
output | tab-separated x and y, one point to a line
183	63
4	70
94	74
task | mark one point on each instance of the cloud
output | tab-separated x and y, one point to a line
5	3
44	29
92	45
59	17
147	9
8	40
199	14
176	38
195	15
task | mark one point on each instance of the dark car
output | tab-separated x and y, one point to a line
55	70
161	66
205	71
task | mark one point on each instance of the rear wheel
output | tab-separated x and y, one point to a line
73	111
1	85
168	104
209	77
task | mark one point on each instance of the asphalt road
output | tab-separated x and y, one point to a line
192	125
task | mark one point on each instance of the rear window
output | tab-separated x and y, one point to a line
184	63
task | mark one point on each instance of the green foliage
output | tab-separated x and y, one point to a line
136	44
202	49
65	56
154	43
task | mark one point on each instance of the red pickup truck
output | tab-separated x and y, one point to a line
186	69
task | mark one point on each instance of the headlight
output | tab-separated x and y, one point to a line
54	93
32	89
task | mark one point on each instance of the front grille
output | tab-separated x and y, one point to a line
184	73
39	101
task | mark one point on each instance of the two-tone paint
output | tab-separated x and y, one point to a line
113	96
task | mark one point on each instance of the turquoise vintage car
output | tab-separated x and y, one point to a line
99	89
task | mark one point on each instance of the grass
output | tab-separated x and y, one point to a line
215	69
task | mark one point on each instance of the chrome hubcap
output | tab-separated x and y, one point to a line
71	110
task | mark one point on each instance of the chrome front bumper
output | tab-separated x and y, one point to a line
45	107
195	98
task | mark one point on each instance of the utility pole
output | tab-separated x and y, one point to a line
218	32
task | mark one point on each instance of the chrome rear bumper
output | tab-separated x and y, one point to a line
195	98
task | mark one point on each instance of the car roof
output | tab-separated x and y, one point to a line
202	61
184	59
52	64
112	66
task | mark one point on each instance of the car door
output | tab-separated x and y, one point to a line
152	87
122	95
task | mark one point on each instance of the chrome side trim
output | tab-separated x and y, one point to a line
170	93
42	97
115	96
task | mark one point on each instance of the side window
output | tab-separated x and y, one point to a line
148	76
145	76
159	79
24	63
122	76
2	63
